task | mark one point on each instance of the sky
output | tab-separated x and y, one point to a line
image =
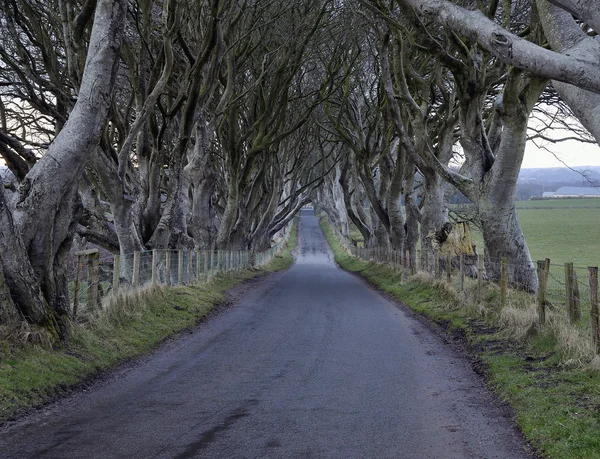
571	152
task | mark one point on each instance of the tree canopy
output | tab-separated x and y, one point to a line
208	124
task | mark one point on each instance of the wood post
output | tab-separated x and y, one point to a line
594	315
198	265
168	267
77	285
437	263
503	281
462	272
205	265
572	293
93	263
154	265
480	266
179	267
135	279
449	268
543	268
116	273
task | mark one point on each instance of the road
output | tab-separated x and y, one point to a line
310	364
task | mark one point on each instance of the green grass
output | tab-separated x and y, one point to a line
593	203
563	234
564	230
556	407
32	375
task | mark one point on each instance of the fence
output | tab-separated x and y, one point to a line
564	289
97	277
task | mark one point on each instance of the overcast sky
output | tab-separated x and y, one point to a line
572	153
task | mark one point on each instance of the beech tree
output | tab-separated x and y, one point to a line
36	223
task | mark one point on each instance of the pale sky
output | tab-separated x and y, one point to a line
571	152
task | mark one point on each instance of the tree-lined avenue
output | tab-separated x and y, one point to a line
312	363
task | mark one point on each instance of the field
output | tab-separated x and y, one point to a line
566	230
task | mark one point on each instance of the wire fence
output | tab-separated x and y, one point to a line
98	276
565	290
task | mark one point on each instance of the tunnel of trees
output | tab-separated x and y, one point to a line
150	124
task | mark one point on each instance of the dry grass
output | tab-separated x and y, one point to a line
519	319
24	333
574	340
519	322
123	306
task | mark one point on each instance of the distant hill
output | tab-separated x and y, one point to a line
537	181
561	175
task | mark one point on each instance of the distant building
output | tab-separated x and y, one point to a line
570	192
577	192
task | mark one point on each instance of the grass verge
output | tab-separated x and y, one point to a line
556	405
32	375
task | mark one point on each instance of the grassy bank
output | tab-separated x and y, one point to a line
556	403
31	375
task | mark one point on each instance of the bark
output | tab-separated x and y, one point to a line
565	36
47	204
508	47
584	10
230	214
358	222
394	205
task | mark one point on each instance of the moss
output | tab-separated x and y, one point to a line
31	375
556	407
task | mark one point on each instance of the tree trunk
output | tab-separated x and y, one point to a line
44	215
230	214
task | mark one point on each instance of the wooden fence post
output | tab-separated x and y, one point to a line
135	278
77	285
116	273
449	268
572	293
198	265
93	278
503	281
205	265
480	266
543	268
462	272
594	315
154	265
168	267
179	267
437	263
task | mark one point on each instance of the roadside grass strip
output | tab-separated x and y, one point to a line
554	395
33	373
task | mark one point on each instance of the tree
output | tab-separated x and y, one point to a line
37	223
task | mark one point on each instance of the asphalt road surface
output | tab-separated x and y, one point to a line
312	363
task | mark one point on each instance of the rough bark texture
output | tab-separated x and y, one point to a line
565	36
46	206
508	47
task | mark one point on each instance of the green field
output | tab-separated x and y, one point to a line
563	234
593	203
564	230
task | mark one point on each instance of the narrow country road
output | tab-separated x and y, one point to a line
311	364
